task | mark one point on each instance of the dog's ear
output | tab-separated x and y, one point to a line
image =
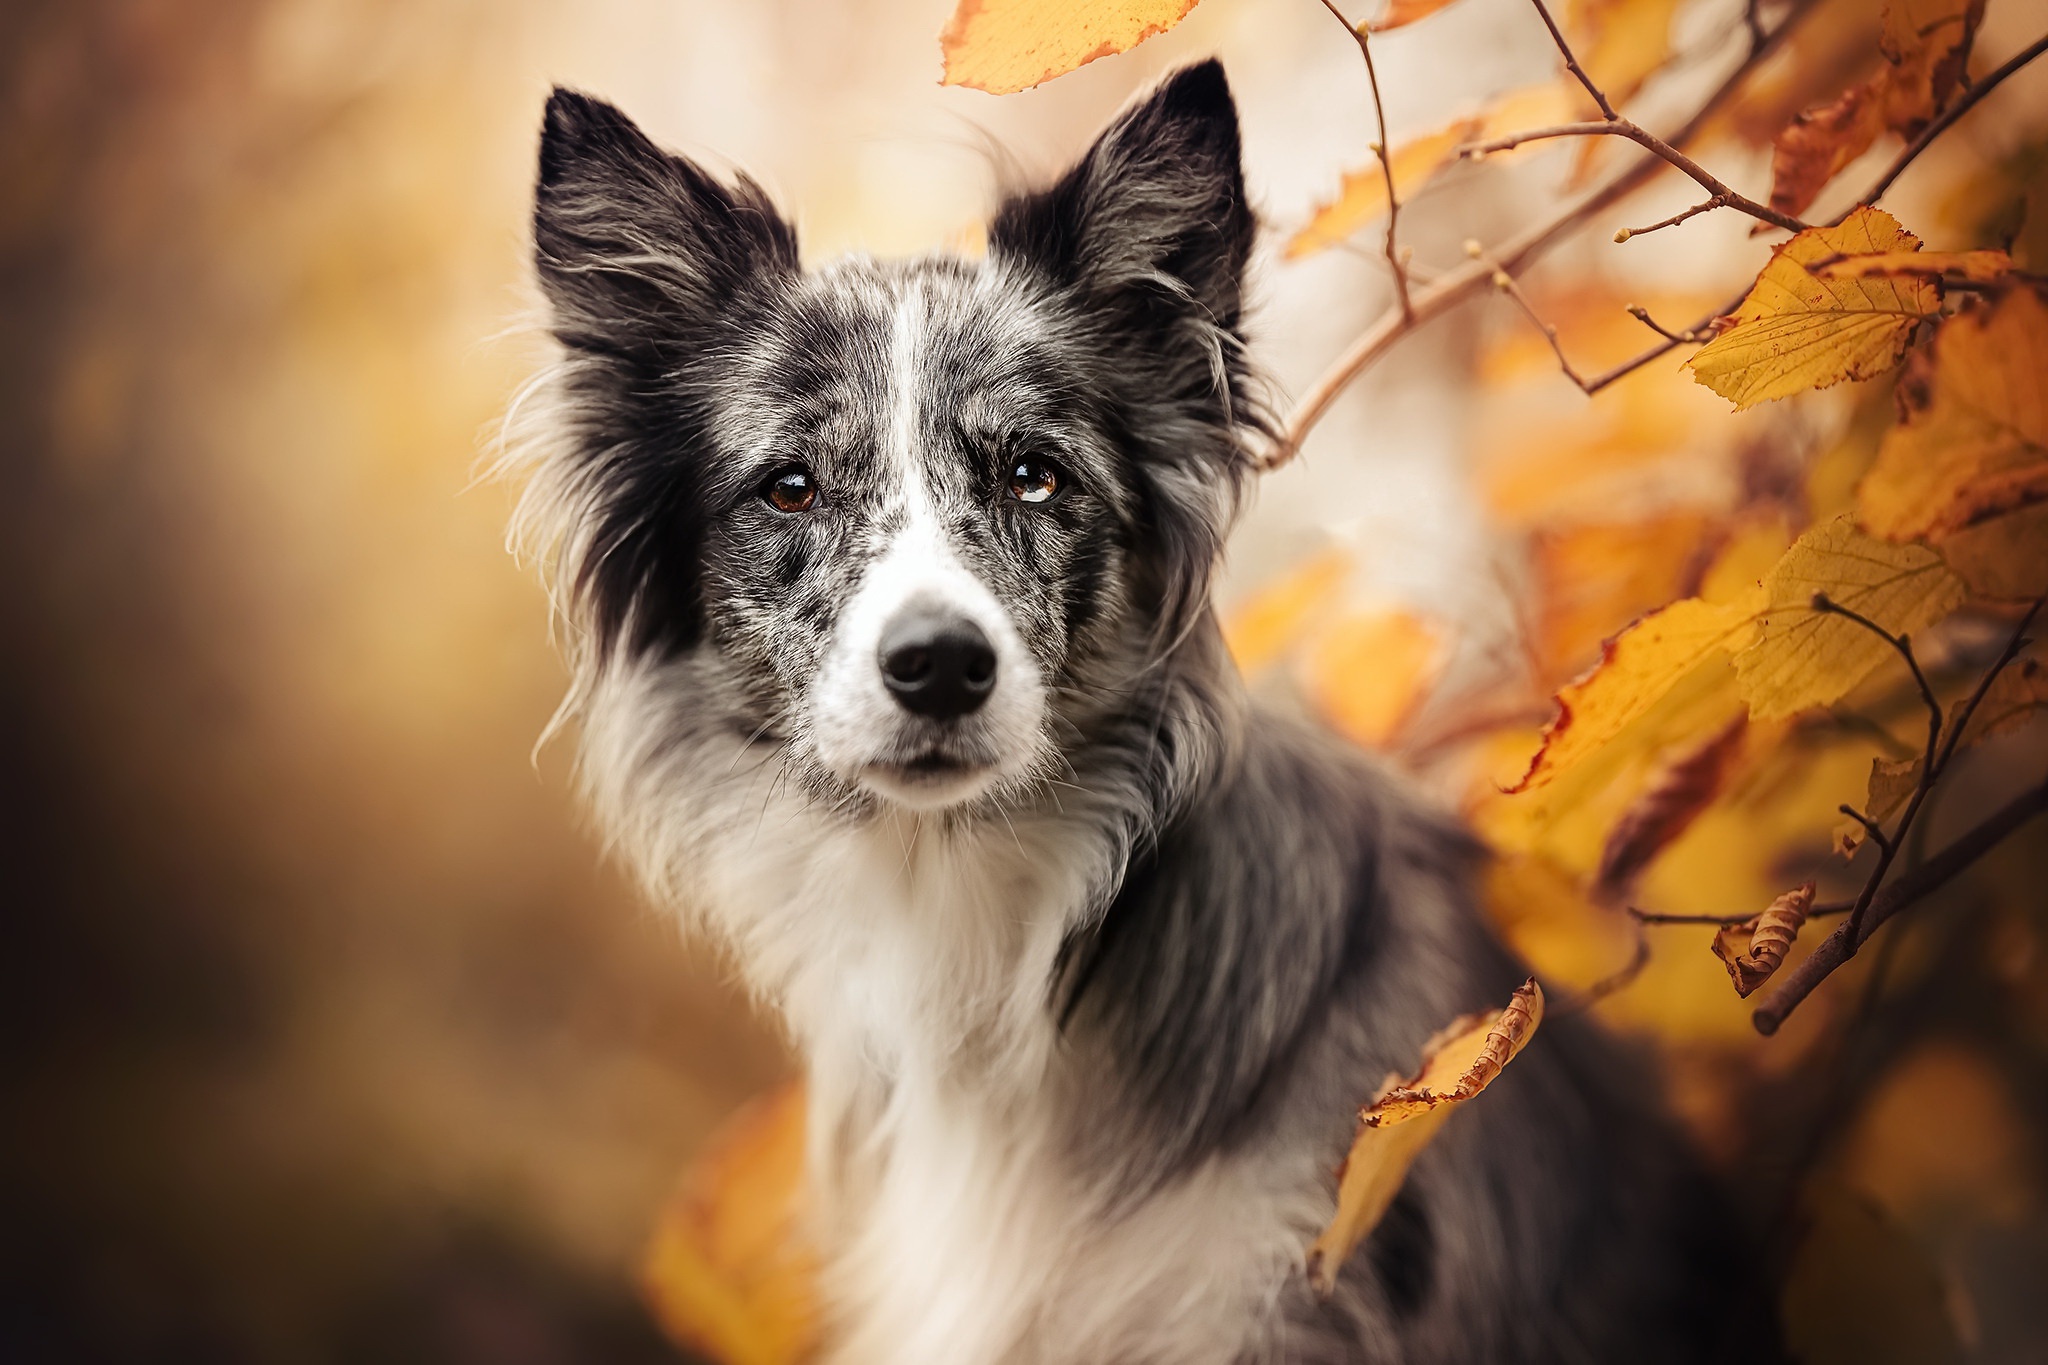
1156	207
635	247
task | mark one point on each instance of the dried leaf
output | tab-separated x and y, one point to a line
1272	619
1666	808
727	1272
1796	331
1753	950
1362	198
1925	45
1802	657
1003	46
1637	669
1980	267
1892	781
1368	672
1973	444
1458	1064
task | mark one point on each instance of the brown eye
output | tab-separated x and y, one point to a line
791	489
1036	481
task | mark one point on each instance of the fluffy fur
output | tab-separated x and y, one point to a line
1087	982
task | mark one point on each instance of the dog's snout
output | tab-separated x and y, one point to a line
937	664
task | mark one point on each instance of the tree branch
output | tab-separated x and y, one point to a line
1907	891
1379	148
1617	126
1454	287
1941	124
1706	206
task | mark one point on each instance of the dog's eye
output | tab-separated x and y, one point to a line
791	489
1036	480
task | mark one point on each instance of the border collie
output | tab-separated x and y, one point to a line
887	591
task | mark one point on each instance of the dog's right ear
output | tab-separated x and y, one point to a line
636	248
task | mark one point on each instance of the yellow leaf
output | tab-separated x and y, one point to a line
1796	331
1593	579
727	1271
1362	198
1803	657
1630	40
1368	672
1269	622
1638	668
1003	46
1981	267
1974	441
1457	1065
1892	781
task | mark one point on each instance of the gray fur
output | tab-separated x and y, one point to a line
1090	981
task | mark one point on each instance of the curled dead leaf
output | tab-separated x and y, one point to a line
1755	948
1458	1063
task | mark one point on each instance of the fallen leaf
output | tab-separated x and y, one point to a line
1362	198
1367	672
1796	331
1802	657
1459	1063
1003	46
1270	621
727	1272
1925	45
1754	949
1973	443
1687	786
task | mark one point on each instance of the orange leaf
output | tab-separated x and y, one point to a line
1272	619
1362	198
1369	672
1593	579
726	1271
1003	46
1400	13
1457	1065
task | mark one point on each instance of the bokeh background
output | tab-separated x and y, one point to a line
329	1034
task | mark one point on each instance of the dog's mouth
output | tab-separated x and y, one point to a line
928	778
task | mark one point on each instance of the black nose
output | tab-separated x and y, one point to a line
937	664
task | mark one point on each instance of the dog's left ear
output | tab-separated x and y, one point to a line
1155	209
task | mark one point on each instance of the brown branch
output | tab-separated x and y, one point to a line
1506	284
1571	61
1705	206
1938	871
1820	911
1941	124
1379	148
1617	126
1446	293
1698	332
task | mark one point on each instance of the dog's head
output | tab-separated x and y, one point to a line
906	521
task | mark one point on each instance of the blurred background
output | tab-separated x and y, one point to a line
329	1033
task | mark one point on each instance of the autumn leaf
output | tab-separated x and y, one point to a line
1272	619
1686	786
1924	45
727	1271
1594	578
1754	949
1369	671
1459	1063
1796	331
1892	781
1400	13
1974	441
1801	656
1977	267
1621	43
1362	197
1003	46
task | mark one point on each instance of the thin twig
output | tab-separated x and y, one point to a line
1704	206
1506	284
1870	826
2014	643
1617	126
1571	62
1948	116
1379	113
1820	911
1835	949
1458	285
1613	981
1697	333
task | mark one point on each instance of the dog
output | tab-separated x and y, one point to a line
887	594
